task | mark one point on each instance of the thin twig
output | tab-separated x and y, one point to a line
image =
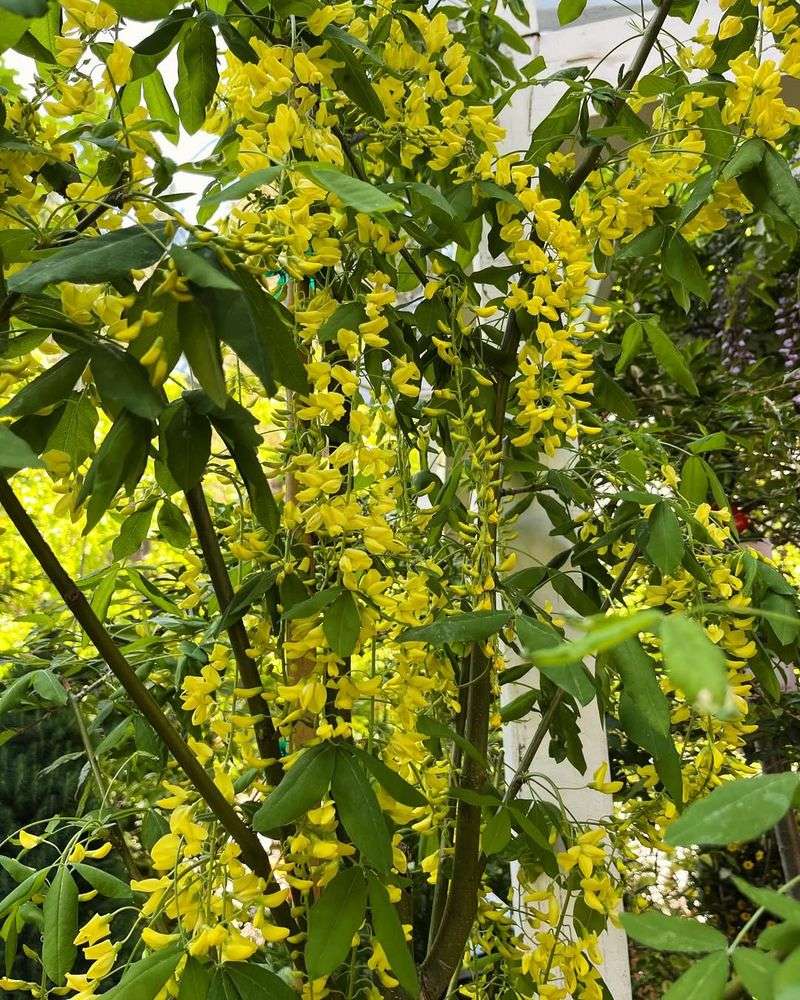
543	728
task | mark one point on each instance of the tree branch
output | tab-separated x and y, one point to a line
450	941
649	38
265	732
253	854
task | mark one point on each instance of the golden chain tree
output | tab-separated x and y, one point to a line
327	423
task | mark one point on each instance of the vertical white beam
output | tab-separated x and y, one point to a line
536	547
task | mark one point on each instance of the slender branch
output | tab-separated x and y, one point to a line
649	38
543	728
265	732
253	854
102	788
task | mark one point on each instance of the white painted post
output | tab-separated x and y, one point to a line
536	547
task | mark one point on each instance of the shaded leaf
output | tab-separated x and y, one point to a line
736	811
359	811
470	626
333	921
93	259
350	190
302	787
389	932
671	933
60	926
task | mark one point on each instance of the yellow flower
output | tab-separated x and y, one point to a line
28	840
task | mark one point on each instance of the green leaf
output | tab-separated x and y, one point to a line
632	341
173	525
16	453
53	386
143	10
13	28
195	980
246	981
604	633
470	626
14	693
333	921
253	588
235	427
74	432
727	49
610	397
520	706
694	481
359	811
779	937
777	903
782	185
389	932
16	869
693	663
664	540
302	787
572	677
107	885
342	624
670	933
351	191
786	984
670	358
705	980
429	726
25	8
122	380
709	442
756	971
160	105
550	133
266	341
197	74
23	891
736	811
60	926
93	259
242	187
644	711
397	787
120	449
744	159
313	605
201	271
497	832
643	245
200	344
48	687
680	263
187	437
133	531
347	316
570	10
352	79
145	979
